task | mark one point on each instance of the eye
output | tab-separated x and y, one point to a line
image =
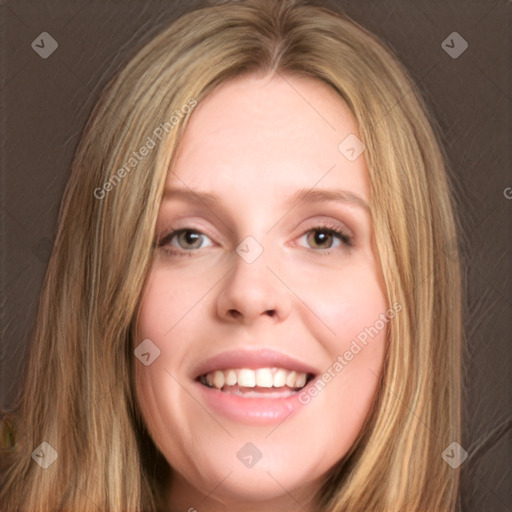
323	237
187	239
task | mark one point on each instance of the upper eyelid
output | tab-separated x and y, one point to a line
320	224
185	222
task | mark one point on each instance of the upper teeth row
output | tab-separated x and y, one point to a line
263	377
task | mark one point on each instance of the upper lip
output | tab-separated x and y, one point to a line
252	359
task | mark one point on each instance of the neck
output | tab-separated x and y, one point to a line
181	496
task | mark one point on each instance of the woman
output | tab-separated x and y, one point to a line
250	375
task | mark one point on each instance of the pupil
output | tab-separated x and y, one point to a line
190	237
320	237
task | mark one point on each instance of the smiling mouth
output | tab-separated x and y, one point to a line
269	382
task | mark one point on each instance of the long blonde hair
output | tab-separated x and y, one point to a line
78	392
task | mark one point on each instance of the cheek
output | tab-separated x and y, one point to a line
348	300
352	304
168	298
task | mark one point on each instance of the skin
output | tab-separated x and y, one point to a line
254	141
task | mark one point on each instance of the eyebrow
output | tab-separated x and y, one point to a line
306	195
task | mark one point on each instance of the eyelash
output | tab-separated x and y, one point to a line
326	227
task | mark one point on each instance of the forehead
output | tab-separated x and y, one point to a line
269	134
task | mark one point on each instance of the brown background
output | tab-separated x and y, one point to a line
45	103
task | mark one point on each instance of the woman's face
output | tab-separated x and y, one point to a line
257	295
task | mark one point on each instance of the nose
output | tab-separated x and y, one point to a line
252	290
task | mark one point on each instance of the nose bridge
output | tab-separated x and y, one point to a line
252	288
251	270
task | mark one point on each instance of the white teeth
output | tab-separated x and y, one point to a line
280	378
231	378
300	381
246	378
290	379
218	379
262	377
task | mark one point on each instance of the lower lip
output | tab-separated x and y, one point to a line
253	410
